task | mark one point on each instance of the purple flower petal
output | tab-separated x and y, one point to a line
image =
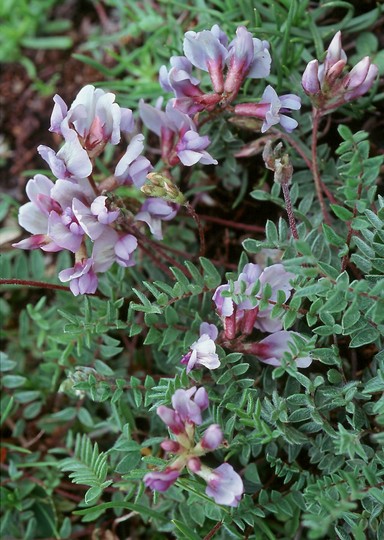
161	481
225	486
212	438
89	223
271	349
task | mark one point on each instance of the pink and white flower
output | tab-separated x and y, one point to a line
272	109
94	116
161	481
155	210
224	485
273	348
203	351
245	315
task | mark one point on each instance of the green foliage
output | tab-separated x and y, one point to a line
28	25
88	467
82	377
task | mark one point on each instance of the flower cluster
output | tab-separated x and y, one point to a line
224	485
228	64
329	86
243	316
238	305
73	212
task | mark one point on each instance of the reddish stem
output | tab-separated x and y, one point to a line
288	207
213	531
191	211
232	224
29	283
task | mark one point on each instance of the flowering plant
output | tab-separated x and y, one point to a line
174	303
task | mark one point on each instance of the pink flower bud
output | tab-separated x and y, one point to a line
365	86
194	464
357	75
334	72
212	438
310	80
170	446
334	52
201	399
171	419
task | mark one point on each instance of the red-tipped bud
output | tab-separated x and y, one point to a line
170	446
194	464
334	72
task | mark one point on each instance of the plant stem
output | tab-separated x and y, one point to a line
193	214
233	224
288	207
29	283
41	285
315	165
213	531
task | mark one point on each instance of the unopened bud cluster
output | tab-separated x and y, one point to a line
329	85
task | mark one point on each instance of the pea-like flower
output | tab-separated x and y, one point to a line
224	485
71	161
82	277
179	139
206	51
248	57
153	211
272	109
50	215
161	481
94	116
227	65
244	315
133	167
203	351
272	349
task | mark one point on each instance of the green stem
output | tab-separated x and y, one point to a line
315	165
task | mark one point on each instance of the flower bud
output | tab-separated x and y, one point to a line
171	419
310	80
365	86
194	464
163	187
212	438
170	446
